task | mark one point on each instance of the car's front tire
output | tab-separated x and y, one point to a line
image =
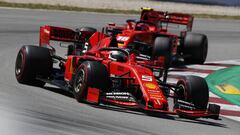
90	74
195	90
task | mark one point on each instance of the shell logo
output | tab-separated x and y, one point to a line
120	45
150	85
228	89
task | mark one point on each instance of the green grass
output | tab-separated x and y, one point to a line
80	9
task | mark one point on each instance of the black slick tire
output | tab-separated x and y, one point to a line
163	47
195	48
195	90
33	61
90	31
90	74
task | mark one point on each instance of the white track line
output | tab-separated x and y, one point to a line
228	107
206	67
213	95
188	73
235	118
233	62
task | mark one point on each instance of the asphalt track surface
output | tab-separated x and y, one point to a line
32	110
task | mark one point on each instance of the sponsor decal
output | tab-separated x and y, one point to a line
146	78
112	75
150	85
122	96
118	93
120	45
228	89
154	93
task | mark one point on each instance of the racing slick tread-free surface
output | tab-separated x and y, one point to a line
196	91
33	61
162	46
196	46
88	29
95	75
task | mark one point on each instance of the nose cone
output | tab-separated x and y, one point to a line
159	103
157	100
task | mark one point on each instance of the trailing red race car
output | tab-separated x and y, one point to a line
174	30
110	75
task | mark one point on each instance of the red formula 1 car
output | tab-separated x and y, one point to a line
174	29
110	75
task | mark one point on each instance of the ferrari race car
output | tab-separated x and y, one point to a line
174	29
109	75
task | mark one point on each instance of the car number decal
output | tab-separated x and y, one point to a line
146	78
122	38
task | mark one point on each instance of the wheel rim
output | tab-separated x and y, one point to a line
80	81
183	89
19	64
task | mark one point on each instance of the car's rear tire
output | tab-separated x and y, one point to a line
194	89
195	48
90	31
90	74
162	47
33	61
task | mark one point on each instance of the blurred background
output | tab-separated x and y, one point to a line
235	3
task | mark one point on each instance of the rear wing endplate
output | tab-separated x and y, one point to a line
48	33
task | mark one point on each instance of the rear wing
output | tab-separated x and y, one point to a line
150	15
48	33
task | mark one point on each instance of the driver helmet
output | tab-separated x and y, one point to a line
117	56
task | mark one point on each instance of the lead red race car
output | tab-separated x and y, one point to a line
95	71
